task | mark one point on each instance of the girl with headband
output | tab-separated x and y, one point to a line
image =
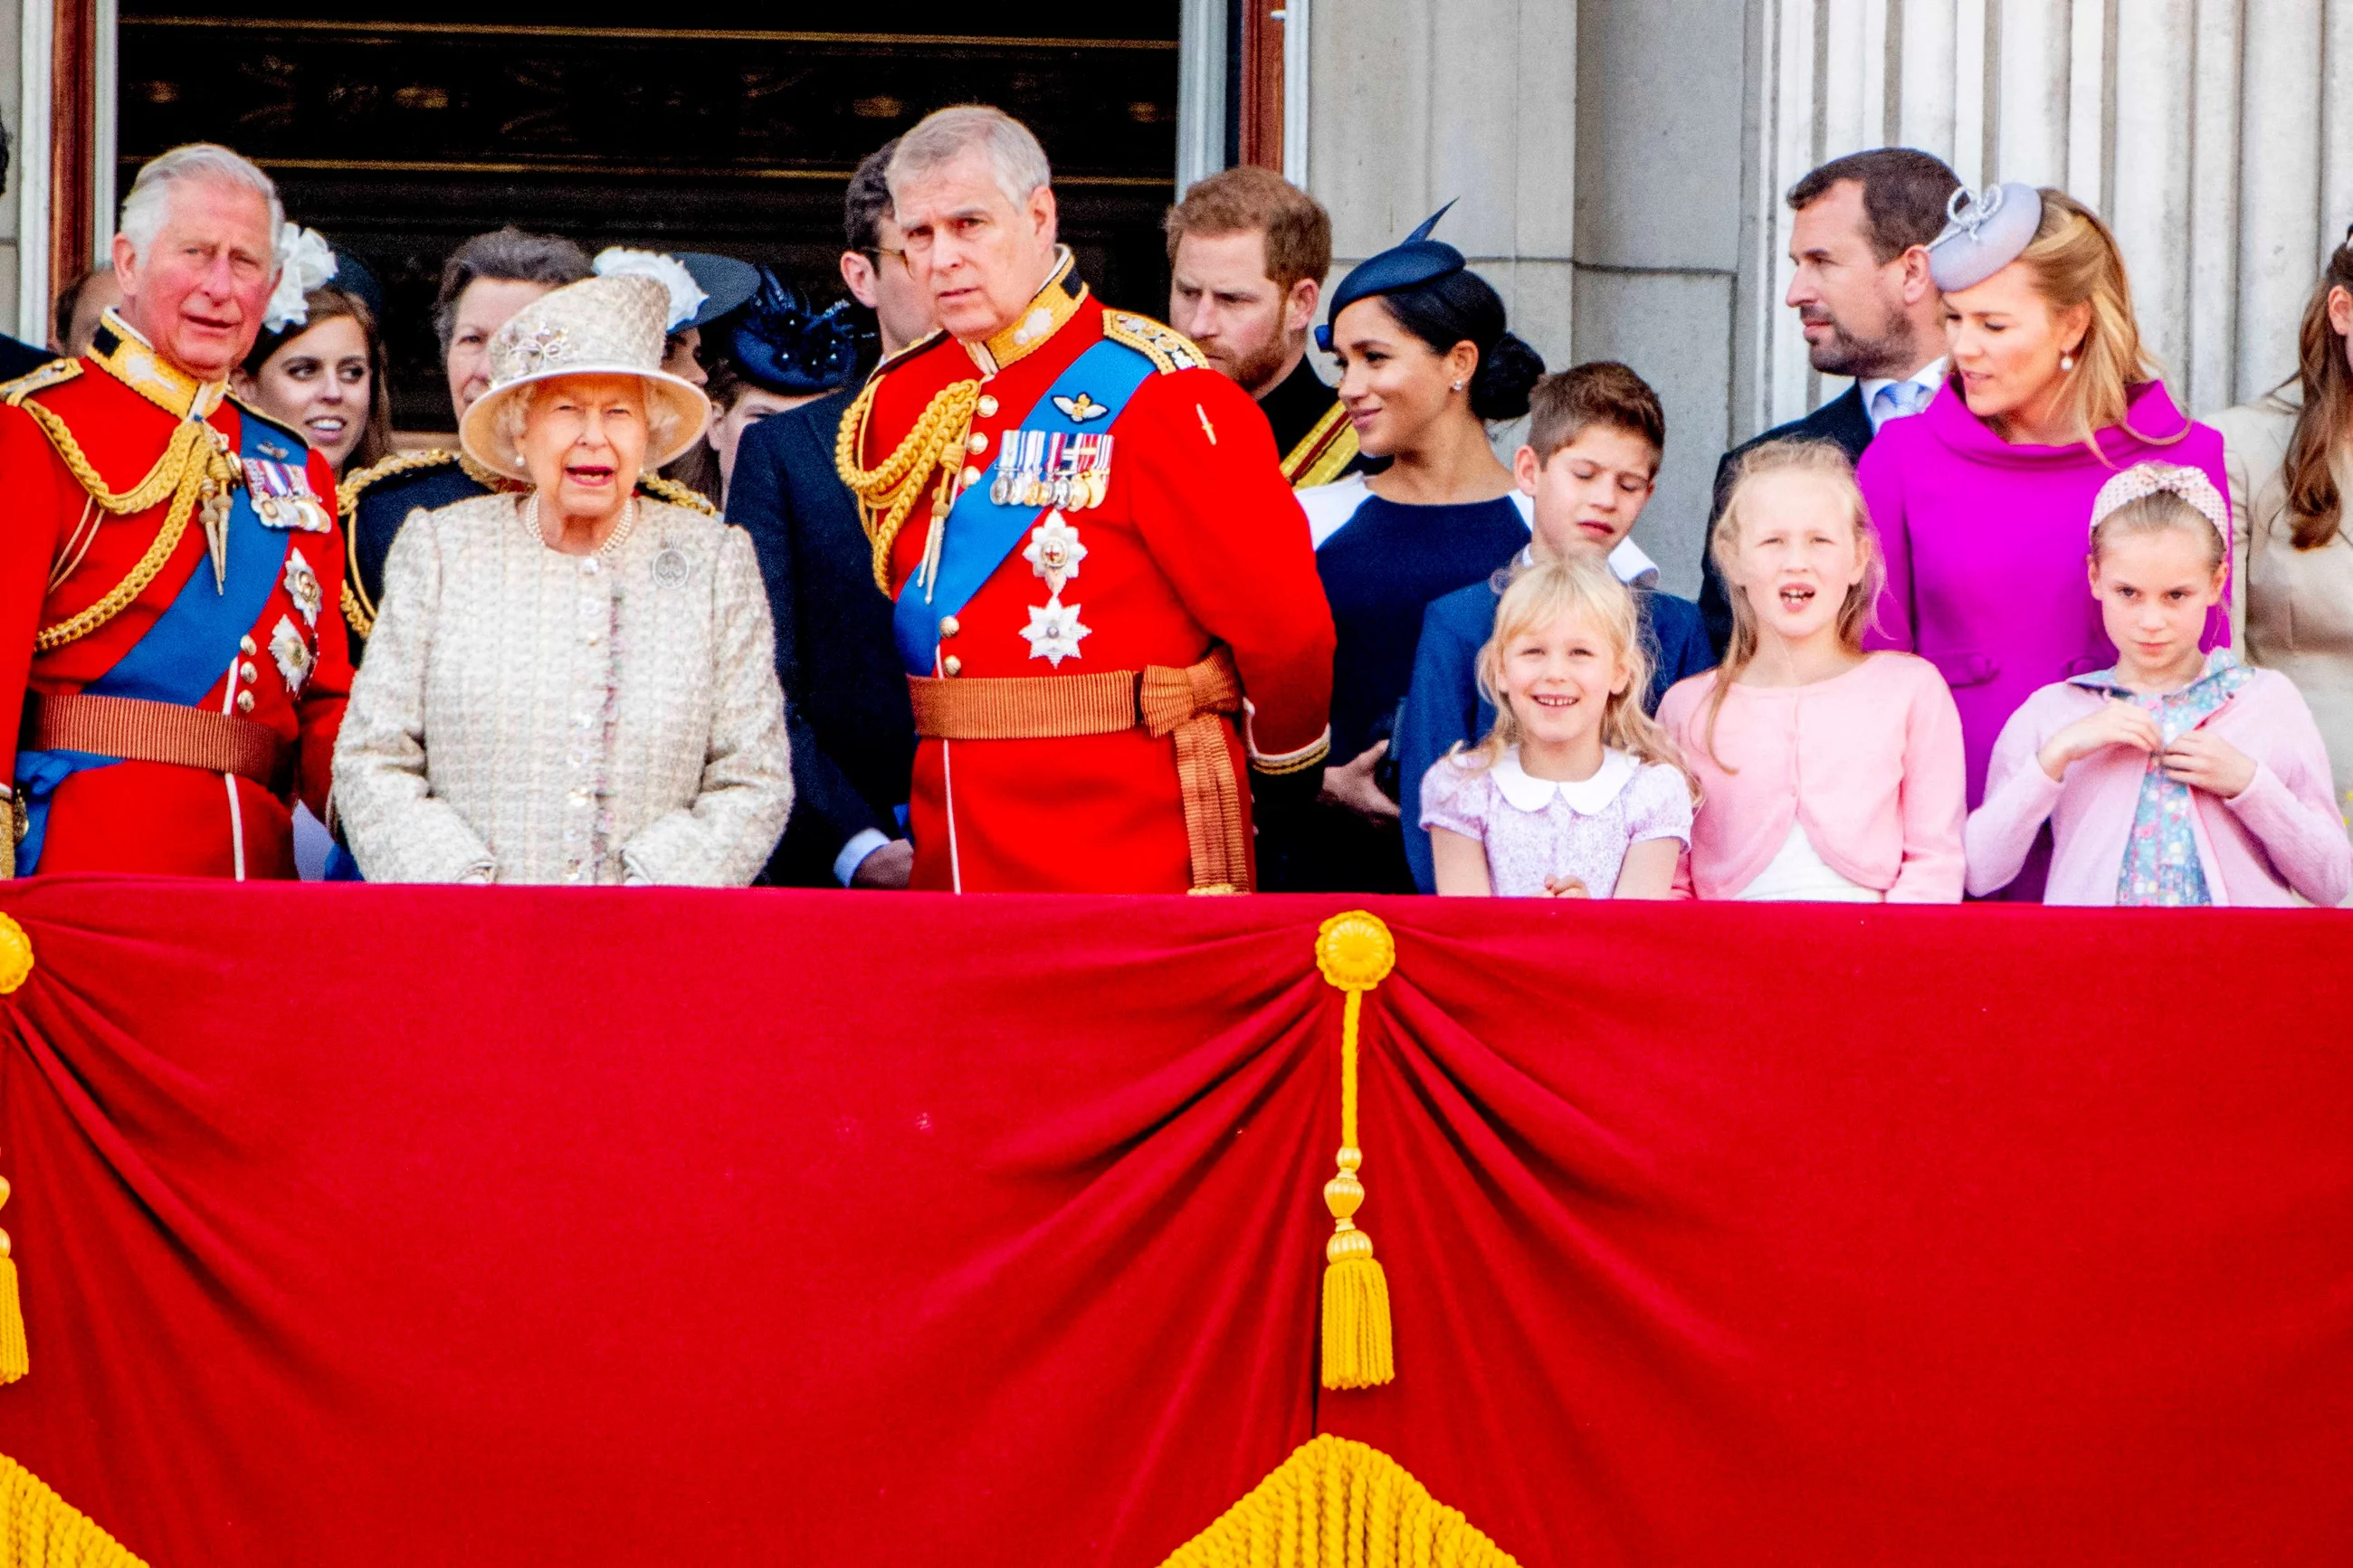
2175	778
1979	500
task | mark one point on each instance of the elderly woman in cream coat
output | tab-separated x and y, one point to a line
573	683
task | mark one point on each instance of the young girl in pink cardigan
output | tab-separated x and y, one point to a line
1826	773
2176	778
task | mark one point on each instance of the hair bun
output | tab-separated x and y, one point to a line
1507	375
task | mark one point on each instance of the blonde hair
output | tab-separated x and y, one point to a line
2162	512
2074	260
1821	461
1581	587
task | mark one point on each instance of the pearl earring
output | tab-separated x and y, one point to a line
2066	362
1458	386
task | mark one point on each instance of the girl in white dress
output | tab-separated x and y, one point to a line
1575	793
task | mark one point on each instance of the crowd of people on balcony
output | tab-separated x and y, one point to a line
722	584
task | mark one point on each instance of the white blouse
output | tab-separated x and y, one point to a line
524	715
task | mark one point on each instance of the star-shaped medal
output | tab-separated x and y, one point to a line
1054	631
1054	552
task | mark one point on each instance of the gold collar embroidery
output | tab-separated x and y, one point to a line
132	360
1048	311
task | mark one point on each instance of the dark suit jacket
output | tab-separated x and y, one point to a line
853	735
1842	420
21	359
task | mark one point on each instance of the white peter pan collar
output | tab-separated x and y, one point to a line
1585	796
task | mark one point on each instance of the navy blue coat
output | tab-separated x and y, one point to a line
853	735
383	506
1842	420
1443	706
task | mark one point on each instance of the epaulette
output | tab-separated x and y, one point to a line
300	442
56	373
1167	349
347	494
676	494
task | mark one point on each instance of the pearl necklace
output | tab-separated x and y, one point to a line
613	541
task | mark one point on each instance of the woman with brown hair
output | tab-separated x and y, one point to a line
318	364
1981	501
2290	459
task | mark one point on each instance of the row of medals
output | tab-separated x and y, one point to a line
1040	469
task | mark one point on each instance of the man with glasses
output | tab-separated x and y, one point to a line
846	708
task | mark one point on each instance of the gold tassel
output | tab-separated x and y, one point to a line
1356	953
16	968
39	1529
1340	1504
14	1362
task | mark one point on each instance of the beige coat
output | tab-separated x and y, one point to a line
2292	609
528	716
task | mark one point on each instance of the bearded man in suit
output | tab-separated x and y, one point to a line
1869	309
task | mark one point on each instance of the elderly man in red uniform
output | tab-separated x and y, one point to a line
1105	596
168	582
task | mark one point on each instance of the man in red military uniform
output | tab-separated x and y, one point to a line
169	581
1105	596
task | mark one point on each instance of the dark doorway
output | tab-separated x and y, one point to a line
736	130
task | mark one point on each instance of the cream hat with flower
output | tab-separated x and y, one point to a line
598	326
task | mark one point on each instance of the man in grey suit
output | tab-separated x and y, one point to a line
1863	294
853	736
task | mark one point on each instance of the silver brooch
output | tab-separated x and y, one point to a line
292	654
670	567
302	587
544	347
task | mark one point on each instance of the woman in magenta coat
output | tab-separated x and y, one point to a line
1983	501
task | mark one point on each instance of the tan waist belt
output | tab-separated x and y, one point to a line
141	731
1189	704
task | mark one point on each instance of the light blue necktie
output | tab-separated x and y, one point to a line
1899	399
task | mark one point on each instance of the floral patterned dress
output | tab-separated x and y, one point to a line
2161	867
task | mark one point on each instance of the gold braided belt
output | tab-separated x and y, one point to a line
1191	705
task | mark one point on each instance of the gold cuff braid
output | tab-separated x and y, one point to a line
887	493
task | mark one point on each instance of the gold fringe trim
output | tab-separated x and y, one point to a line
1340	1504
1356	953
44	1530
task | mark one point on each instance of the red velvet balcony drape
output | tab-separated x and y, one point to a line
372	1225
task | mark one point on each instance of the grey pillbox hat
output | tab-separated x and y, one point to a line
1985	232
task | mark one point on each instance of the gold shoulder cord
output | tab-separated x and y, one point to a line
347	494
893	487
194	466
676	494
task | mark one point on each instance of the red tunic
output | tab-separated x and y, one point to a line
155	817
1199	541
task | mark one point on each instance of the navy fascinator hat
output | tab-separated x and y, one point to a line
1414	261
781	343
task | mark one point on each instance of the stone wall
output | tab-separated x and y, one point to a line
1621	168
1594	154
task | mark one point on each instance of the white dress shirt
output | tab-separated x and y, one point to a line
1885	399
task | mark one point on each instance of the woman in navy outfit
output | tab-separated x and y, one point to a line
1426	365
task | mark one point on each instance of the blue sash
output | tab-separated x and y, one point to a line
186	651
981	534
